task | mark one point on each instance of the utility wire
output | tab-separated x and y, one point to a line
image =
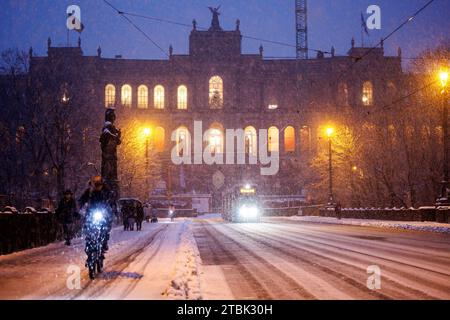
358	59
136	27
409	95
203	28
124	15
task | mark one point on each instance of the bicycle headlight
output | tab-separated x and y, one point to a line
97	216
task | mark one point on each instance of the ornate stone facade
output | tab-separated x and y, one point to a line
295	96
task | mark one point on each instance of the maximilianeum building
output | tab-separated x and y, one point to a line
217	84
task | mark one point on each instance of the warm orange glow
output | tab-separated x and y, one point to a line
330	132
367	93
289	139
126	95
147	132
354	168
273	139
159	138
443	77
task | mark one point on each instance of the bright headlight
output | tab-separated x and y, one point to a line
97	216
248	212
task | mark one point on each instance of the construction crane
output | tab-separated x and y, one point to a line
301	20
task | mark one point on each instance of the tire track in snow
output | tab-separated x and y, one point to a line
407	291
100	285
274	278
350	256
250	286
294	252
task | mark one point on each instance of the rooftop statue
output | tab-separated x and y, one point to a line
215	24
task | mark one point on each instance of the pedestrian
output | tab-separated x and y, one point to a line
338	210
154	214
66	214
139	216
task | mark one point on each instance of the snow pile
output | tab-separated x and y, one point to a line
408	225
185	283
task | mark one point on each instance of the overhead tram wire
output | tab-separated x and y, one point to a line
203	28
390	105
123	14
411	18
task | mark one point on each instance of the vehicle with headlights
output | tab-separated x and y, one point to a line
241	204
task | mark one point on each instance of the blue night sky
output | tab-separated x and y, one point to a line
25	23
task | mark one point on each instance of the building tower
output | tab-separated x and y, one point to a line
301	20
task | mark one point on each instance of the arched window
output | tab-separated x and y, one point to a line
289	139
182	98
367	93
305	139
216	92
159	97
126	95
343	94
183	138
143	97
250	141
110	96
273	139
160	136
215	139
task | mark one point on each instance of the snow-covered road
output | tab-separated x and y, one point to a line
206	258
139	265
296	260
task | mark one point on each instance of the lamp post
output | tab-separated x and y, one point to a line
444	197
147	133
330	132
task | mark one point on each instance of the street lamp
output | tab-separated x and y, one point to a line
147	132
443	198
330	132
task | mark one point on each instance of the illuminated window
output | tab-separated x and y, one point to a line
159	97
343	94
289	139
273	106
182	98
273	139
110	96
126	95
159	139
183	142
367	93
305	139
215	140
250	141
216	92
143	97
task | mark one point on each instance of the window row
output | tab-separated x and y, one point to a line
159	97
367	93
126	96
216	99
215	138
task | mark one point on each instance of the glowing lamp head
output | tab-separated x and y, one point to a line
247	186
443	77
330	132
147	132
